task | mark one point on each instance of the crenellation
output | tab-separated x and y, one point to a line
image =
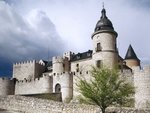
34	86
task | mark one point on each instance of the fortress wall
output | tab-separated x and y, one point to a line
24	70
28	70
128	75
34	86
142	85
35	105
7	86
66	82
76	76
83	65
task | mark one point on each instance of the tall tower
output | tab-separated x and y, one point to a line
131	59
104	43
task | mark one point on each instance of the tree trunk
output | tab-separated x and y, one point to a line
103	110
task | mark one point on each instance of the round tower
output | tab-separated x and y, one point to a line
104	43
58	64
131	59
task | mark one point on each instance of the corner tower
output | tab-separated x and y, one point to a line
131	59
104	43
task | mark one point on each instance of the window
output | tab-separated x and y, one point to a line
98	47
77	70
98	63
77	65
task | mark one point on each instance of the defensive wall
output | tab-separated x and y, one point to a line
142	86
35	105
64	81
34	86
28	70
7	86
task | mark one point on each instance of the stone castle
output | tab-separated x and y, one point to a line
59	74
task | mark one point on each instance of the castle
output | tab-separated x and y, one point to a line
60	73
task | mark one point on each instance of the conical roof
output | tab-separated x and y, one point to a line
131	54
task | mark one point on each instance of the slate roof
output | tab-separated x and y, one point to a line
131	54
81	56
49	64
104	23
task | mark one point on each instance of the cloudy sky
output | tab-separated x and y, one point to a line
39	29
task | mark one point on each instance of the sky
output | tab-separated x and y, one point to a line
40	29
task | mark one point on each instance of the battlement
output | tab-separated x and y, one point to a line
34	86
141	70
57	59
32	80
68	54
28	62
24	62
5	79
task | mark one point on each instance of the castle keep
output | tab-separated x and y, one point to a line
59	74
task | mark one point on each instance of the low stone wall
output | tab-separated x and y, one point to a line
35	105
48	96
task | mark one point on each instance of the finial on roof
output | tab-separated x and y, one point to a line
103	5
103	12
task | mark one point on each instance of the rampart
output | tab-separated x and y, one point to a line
34	86
28	70
142	86
7	86
34	105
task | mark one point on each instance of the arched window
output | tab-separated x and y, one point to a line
57	88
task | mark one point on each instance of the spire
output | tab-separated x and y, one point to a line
103	12
130	53
103	5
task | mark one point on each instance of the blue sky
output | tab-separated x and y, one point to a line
40	29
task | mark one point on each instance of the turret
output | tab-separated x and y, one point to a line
131	59
60	64
104	43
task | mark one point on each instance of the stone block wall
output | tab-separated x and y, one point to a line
28	70
7	86
65	80
142	86
34	86
35	105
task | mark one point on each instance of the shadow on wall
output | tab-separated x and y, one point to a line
49	96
